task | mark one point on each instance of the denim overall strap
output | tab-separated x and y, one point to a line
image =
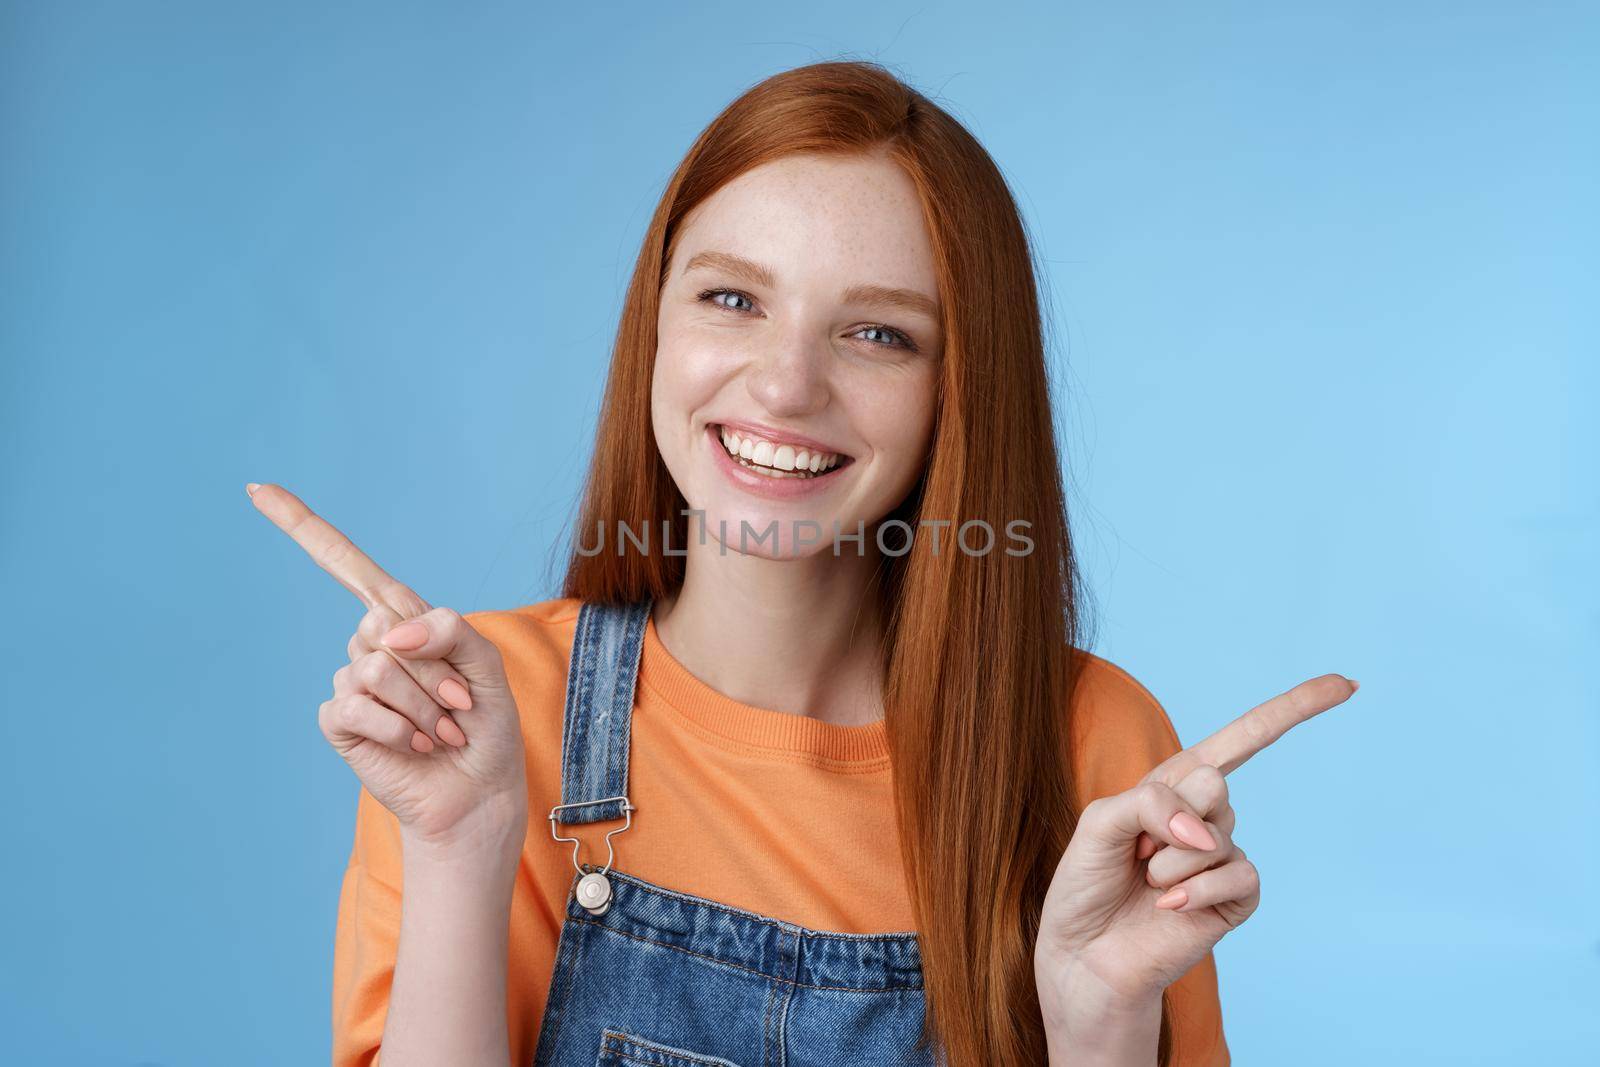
599	711
646	976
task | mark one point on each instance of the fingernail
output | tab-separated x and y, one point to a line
421	741
1191	831
449	732
407	635
455	694
251	487
1173	898
1354	685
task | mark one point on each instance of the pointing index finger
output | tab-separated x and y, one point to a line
1231	746
335	553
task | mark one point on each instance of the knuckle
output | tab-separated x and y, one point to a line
333	551
447	623
1226	820
1095	812
355	713
399	734
1257	730
373	668
1211	780
376	623
339	713
1206	788
1152	794
395	591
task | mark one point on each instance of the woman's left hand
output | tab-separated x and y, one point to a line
1152	880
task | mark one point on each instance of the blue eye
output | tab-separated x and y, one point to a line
900	337
709	293
901	340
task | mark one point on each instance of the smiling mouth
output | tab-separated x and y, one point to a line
775	459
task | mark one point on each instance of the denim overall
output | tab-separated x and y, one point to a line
647	976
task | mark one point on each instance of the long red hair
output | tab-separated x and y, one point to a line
980	650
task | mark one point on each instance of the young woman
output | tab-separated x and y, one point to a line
828	779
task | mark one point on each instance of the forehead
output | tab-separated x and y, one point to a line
842	220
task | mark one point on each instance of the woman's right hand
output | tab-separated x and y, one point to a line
423	712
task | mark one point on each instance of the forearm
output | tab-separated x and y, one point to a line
447	1003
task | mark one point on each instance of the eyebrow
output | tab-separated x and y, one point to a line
756	274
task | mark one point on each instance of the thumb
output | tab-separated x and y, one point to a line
445	635
1148	810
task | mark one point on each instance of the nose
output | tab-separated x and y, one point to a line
790	376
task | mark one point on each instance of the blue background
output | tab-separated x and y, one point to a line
1323	281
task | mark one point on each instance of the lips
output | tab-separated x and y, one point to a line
777	455
771	482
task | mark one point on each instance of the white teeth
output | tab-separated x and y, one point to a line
773	458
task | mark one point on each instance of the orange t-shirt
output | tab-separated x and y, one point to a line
772	812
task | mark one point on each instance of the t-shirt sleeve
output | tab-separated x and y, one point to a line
1119	732
367	935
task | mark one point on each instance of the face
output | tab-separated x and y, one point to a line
799	347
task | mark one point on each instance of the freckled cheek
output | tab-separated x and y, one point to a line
897	422
694	367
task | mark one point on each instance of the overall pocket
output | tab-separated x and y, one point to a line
626	1050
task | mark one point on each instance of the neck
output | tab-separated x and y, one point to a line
797	635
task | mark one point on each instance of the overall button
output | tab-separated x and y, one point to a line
594	893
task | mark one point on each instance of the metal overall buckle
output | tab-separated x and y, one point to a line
594	888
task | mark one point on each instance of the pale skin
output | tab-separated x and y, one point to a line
791	352
425	717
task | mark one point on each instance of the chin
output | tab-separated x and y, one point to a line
723	527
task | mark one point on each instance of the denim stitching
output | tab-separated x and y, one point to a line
578	696
596	732
571	735
747	970
766	1021
637	619
560	993
781	1039
632	1045
765	920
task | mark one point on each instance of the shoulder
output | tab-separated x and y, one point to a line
535	645
1117	729
534	638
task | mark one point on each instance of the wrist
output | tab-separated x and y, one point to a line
1089	1023
491	837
